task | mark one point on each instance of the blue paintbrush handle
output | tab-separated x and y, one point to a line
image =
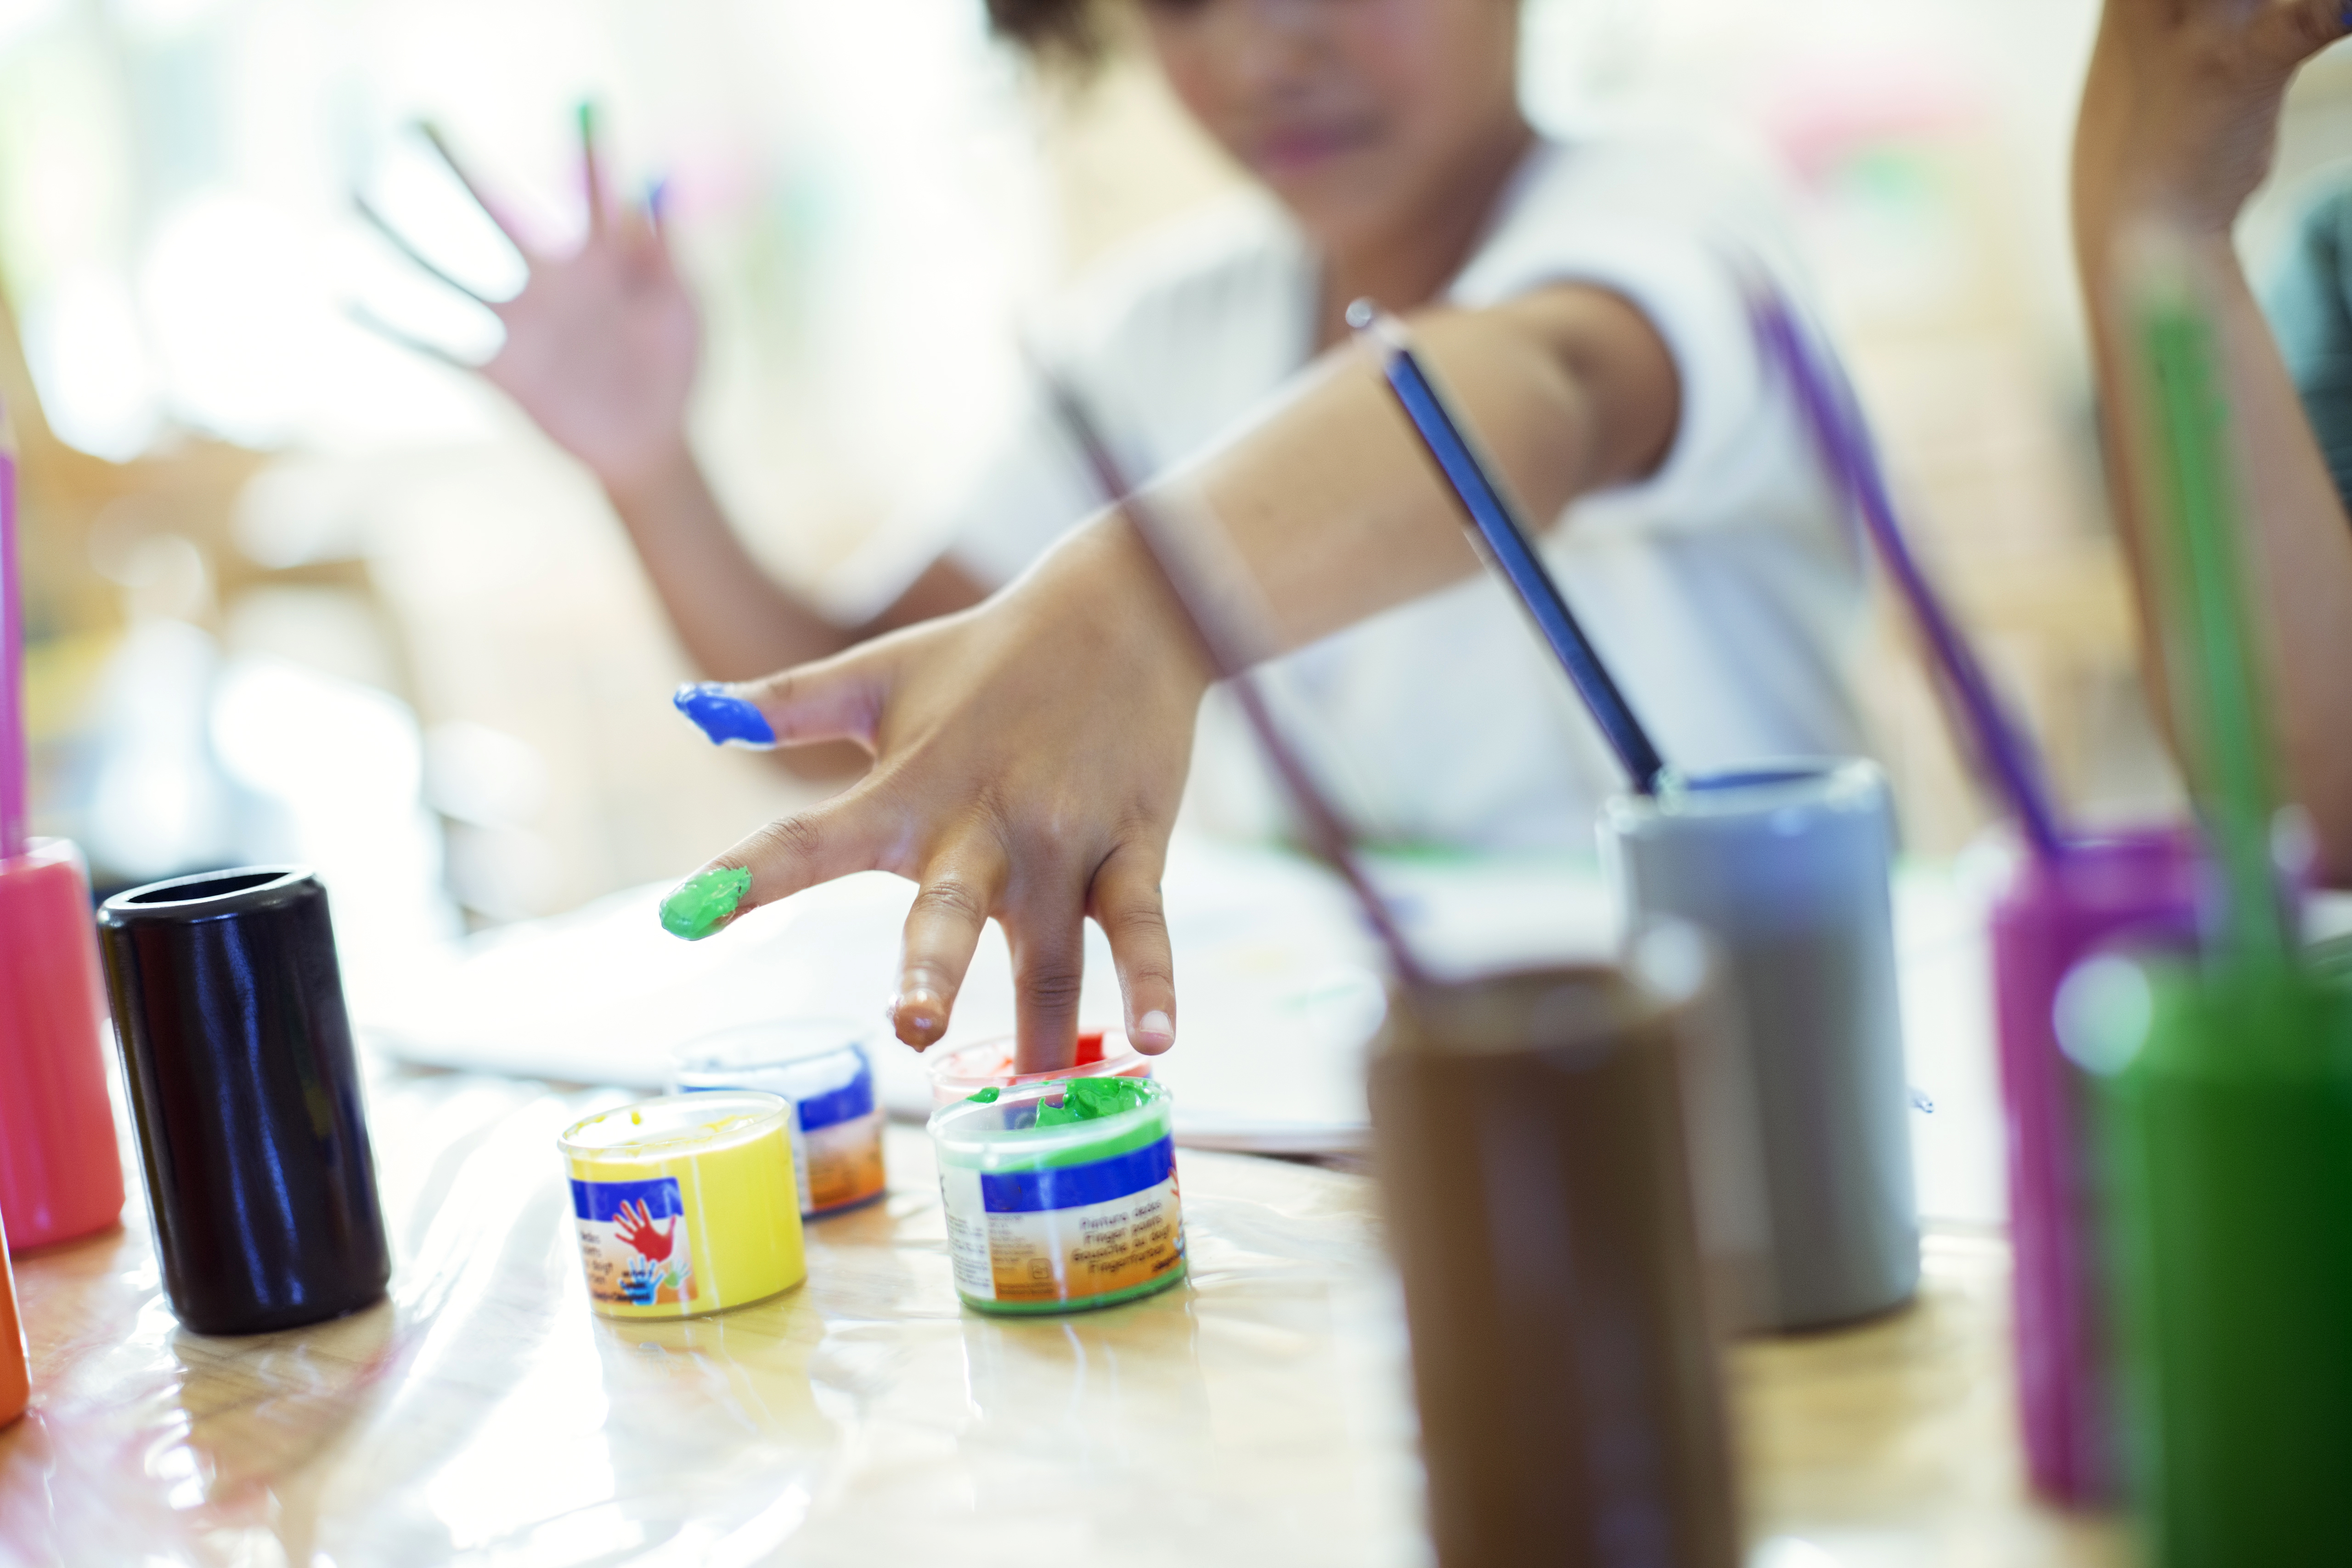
1509	550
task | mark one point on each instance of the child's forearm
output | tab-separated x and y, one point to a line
2300	540
1331	505
2160	152
736	621
1336	509
1030	756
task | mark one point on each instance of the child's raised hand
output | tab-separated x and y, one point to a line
2180	109
1029	757
603	342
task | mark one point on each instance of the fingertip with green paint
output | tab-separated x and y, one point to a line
702	903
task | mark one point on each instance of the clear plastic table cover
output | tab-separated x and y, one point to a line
1258	1413
484	1414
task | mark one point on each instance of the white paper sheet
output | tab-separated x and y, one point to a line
1278	980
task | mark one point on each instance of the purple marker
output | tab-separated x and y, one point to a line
727	720
1848	452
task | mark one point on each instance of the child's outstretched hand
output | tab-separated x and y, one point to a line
1028	758
2180	109
603	342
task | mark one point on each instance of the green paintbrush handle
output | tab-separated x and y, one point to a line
2215	668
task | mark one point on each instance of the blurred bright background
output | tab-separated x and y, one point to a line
296	593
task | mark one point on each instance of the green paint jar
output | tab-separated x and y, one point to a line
2223	1106
1061	1195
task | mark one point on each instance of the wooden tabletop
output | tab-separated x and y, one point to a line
1258	1414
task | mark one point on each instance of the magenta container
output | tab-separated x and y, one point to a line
2055	913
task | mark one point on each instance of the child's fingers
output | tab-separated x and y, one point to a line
440	145
645	226
833	839
1125	902
834	700
942	931
374	323
383	225
591	169
1047	936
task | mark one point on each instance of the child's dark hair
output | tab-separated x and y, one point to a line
1068	31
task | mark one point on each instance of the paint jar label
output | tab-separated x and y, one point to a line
839	1165
1068	1232
837	1150
632	1239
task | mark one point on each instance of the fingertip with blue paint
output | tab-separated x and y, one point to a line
725	718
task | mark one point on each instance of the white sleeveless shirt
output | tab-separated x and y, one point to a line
1723	590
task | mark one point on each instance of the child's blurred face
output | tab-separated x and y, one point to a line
1360	114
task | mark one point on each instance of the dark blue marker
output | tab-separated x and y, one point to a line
1506	547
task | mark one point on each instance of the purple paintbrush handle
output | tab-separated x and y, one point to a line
1834	417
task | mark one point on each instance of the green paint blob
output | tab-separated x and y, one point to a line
701	903
1092	1098
986	1097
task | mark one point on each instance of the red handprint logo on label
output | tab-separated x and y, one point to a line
635	1224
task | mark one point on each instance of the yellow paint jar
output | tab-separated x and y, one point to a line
685	1204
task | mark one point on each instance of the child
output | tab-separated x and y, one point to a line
1582	298
2178	122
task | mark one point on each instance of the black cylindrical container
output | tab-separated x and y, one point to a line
229	1009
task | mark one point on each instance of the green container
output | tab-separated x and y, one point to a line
1061	1195
2224	1107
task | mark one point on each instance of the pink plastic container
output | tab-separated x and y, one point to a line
2054	914
16	1367
60	1171
988	1064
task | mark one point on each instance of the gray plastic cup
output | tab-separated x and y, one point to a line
1786	866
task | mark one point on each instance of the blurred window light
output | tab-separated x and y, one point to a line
283	730
167	579
486	777
18	18
338	768
161	19
501	874
1578	56
156	803
294	513
99	388
230	287
334	631
70	181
